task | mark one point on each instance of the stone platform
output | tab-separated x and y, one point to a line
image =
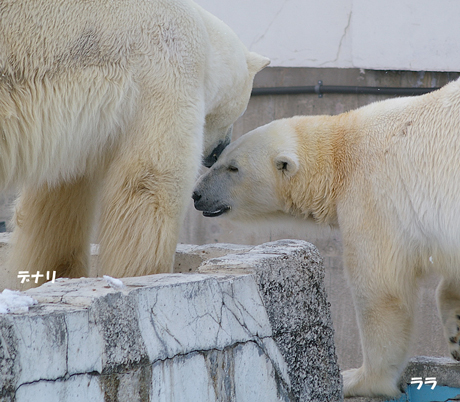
247	326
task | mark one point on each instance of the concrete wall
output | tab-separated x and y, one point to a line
392	34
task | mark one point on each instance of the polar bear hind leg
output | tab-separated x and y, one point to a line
67	140
448	298
53	228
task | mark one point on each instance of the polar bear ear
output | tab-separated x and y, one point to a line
256	62
288	163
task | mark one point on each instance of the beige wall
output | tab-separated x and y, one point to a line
390	34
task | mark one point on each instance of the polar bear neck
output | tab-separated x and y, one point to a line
324	148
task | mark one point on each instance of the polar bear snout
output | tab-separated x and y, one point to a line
196	197
210	195
209	207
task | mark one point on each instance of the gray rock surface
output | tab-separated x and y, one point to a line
290	277
251	326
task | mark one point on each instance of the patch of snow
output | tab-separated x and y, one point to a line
113	282
12	301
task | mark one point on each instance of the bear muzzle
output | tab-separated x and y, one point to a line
203	205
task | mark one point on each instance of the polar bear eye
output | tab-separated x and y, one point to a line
232	168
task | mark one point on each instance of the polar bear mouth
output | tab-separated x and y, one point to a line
217	212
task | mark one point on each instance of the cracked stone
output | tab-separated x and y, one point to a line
251	326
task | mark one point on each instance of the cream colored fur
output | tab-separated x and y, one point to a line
388	175
121	95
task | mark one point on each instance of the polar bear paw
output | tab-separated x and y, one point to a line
357	383
453	334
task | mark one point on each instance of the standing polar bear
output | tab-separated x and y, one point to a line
389	175
122	95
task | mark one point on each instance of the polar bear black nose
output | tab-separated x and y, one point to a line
196	196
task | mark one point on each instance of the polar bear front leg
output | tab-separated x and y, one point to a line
384	300
448	298
143	208
53	228
147	188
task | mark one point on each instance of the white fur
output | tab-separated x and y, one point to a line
119	95
389	175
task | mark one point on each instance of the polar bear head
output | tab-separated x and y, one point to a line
247	180
229	80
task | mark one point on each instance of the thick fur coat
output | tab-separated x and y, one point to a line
388	175
116	101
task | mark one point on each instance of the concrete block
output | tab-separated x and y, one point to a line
252	366
290	276
76	388
444	369
186	375
34	345
244	328
190	256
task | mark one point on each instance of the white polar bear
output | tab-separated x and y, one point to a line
389	175
122	95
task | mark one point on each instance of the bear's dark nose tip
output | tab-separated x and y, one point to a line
196	196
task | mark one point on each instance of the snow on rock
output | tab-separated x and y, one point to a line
12	301
113	282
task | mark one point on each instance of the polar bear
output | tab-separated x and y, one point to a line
388	174
125	96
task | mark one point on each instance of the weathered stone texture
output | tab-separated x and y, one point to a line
290	277
250	327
